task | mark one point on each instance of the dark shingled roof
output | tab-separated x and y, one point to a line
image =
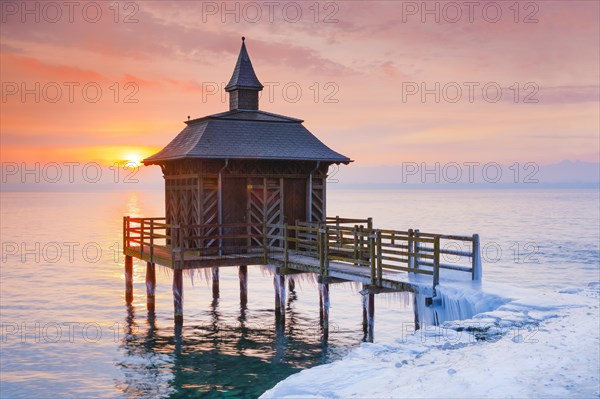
245	134
243	74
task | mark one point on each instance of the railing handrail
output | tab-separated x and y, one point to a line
360	244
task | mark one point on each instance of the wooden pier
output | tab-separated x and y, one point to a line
339	249
249	187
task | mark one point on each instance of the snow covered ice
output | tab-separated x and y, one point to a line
516	343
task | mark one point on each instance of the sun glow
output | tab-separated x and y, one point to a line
134	158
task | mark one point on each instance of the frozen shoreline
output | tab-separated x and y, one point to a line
543	344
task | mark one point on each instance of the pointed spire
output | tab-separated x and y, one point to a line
244	86
243	74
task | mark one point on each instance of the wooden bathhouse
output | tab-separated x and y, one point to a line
244	166
248	187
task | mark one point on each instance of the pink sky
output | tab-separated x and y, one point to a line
365	56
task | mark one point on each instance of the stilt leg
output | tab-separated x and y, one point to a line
320	306
282	294
243	274
277	296
416	310
178	295
370	317
279	283
324	293
365	320
150	285
215	282
128	278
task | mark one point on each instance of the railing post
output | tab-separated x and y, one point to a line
370	224
321	250
373	259
125	233
436	261
128	235
142	239
411	247
326	251
361	242
355	232
285	247
152	240
417	248
379	257
337	222
476	257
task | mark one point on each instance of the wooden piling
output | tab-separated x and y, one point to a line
150	285
178	295
370	317
320	307
215	282
280	298
365	320
282	294
324	302
416	312
277	296
128	278
243	275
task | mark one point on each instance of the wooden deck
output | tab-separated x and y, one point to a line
162	255
393	281
335	250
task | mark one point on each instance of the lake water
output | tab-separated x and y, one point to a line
67	331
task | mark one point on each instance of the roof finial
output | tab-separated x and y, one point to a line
243	38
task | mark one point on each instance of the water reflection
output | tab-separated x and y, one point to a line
219	356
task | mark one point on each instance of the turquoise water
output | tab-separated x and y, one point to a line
67	331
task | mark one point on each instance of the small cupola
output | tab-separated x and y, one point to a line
243	87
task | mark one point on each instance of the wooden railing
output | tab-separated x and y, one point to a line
335	240
181	243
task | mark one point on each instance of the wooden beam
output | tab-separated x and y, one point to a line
331	280
372	289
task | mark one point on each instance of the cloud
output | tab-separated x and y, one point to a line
37	69
569	94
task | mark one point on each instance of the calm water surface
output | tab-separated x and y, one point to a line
67	332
